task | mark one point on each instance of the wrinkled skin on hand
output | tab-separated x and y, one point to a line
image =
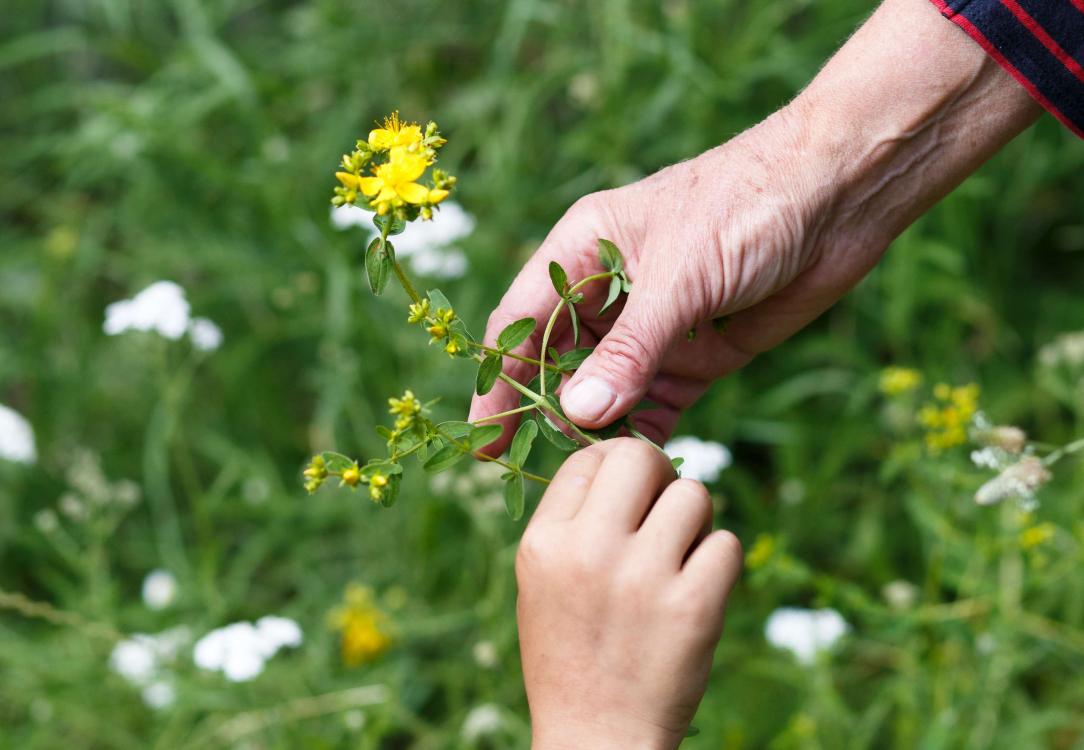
739	231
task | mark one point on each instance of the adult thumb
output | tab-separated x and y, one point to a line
618	373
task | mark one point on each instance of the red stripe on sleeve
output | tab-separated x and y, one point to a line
1040	33
972	31
1078	4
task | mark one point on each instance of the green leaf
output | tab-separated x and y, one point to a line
609	256
445	458
615	292
455	430
553	382
437	300
391	490
515	334
513	496
626	285
397	224
487	374
336	462
558	277
378	263
554	435
677	462
575	318
521	443
573	358
484	435
691	731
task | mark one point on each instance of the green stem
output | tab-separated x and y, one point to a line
466	447
510	412
557	311
404	282
1064	451
519	357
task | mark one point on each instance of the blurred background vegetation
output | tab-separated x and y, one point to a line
194	140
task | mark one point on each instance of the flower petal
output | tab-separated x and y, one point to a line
370	185
347	179
381	139
412	192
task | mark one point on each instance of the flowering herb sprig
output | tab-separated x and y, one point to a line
386	174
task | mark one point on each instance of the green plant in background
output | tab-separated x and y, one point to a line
381	175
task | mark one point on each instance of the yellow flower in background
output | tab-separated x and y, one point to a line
896	381
762	551
1038	535
395	134
946	419
365	630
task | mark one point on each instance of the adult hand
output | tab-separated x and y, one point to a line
622	591
770	228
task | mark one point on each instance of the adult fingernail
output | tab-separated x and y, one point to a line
588	399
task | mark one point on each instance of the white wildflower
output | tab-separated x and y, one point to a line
348	215
16	437
139	658
240	650
73	507
159	589
1020	481
805	632
485	654
46	521
159	694
704	459
161	308
987	458
354	720
205	334
900	595
481	721
428	244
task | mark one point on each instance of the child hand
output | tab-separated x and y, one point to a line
622	591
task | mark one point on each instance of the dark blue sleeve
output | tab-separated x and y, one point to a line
1039	42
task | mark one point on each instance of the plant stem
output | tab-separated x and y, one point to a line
466	447
1064	451
557	311
510	412
404	282
520	357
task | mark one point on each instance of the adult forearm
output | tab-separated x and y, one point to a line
906	110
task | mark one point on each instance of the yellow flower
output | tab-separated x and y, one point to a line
395	134
364	628
436	195
377	483
394	183
315	474
1036	536
947	420
762	551
452	348
352	476
896	381
418	312
408	405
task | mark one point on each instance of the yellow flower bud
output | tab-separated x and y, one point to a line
352	476
419	311
437	331
452	348
436	195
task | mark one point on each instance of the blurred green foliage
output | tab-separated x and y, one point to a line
195	141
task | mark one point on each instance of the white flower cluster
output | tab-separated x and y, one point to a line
481	721
428	244
240	650
1019	481
143	660
805	632
1066	349
159	589
704	459
16	437
163	309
